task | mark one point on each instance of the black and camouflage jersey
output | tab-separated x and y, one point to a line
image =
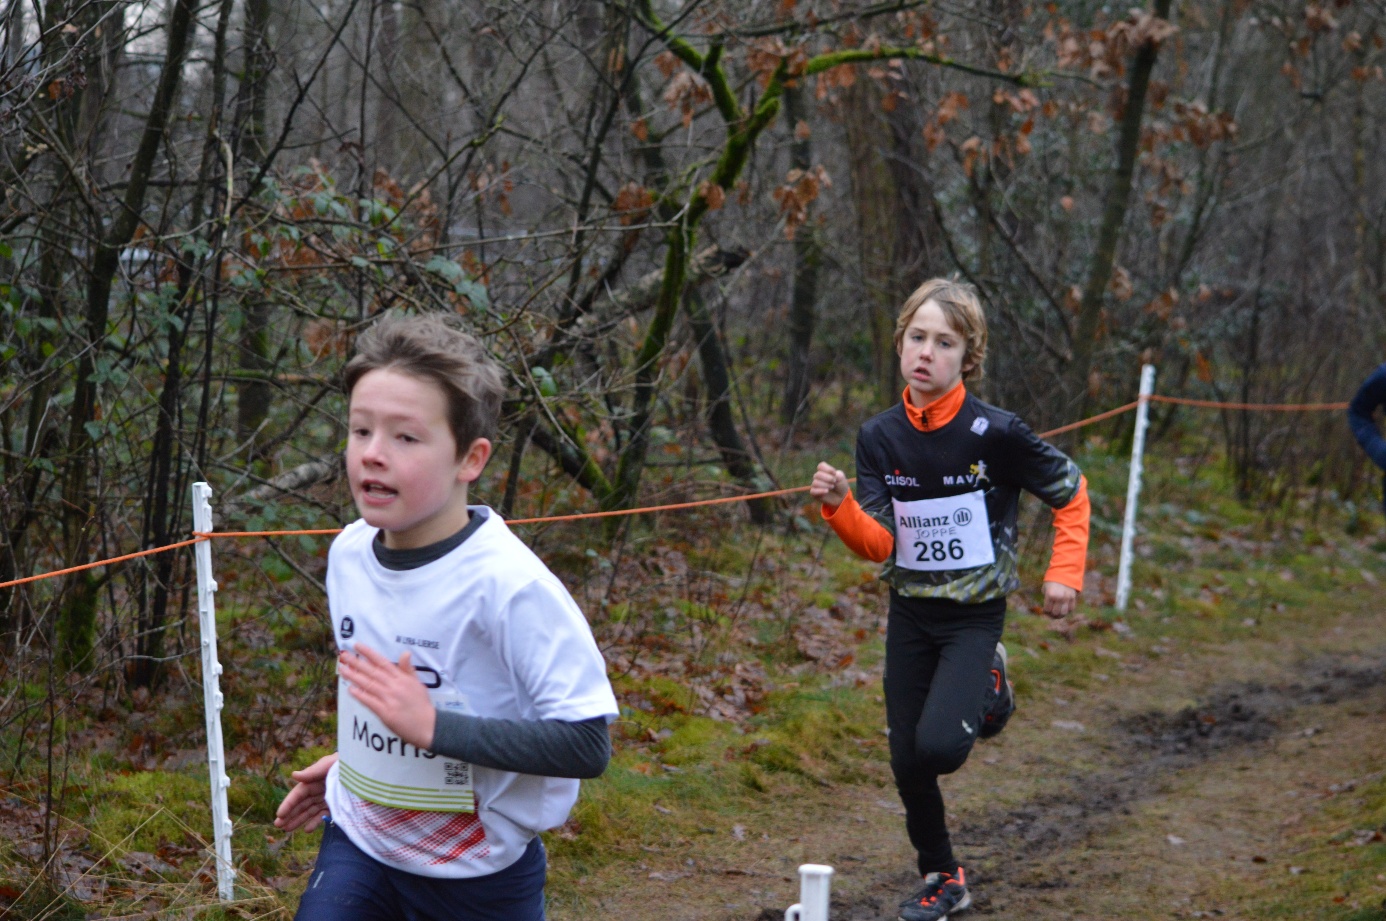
981	448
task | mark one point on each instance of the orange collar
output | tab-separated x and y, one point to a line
937	414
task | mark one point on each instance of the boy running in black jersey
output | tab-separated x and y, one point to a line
939	478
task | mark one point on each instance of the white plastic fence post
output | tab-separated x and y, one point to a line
1133	486
211	690
815	882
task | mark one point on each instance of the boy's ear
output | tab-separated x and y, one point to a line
474	460
970	362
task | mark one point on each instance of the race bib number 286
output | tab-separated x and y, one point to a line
943	534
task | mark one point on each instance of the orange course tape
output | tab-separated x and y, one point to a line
199	536
115	559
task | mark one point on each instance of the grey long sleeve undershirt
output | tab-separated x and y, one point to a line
548	748
545	748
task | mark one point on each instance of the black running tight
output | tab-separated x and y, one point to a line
938	657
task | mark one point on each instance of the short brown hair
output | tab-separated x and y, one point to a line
961	308
431	347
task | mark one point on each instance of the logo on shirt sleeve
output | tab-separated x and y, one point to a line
348	628
979	425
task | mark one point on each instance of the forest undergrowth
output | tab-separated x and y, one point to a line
747	666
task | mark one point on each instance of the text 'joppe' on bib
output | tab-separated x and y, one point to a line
942	534
379	766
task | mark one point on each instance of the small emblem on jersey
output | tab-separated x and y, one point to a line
348	628
962	517
966	728
976	475
979	425
896	479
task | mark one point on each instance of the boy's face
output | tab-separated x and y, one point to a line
401	459
932	354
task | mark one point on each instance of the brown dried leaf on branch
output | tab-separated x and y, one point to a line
1103	52
1194	123
668	64
1120	285
326	337
972	151
713	194
918	26
1163	304
841	77
949	107
1021	102
801	188
633	203
1318	19
933	135
1143	28
765	55
686	92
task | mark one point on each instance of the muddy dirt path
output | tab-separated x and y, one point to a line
1191	767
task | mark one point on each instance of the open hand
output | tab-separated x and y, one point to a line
306	804
391	691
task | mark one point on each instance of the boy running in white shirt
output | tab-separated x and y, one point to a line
472	695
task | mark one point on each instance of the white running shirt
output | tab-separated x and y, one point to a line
500	636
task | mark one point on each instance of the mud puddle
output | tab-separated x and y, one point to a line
1012	853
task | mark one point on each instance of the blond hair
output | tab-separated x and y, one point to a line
963	311
432	348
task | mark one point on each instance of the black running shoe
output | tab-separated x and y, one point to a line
1000	697
942	895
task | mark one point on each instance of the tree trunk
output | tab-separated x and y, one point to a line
874	193
721	421
78	511
254	392
168	473
632	462
808	261
1113	217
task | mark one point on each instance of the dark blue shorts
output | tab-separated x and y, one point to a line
349	885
